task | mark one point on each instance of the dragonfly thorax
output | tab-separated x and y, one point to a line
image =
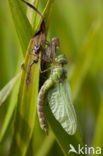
61	60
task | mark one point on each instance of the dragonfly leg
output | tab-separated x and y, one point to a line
36	49
22	65
43	71
34	61
47	42
29	72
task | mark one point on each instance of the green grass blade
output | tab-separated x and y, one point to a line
12	104
22	25
9	114
31	14
26	104
17	13
48	8
84	60
4	93
47	143
47	13
26	108
98	141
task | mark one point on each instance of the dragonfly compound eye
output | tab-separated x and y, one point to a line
61	59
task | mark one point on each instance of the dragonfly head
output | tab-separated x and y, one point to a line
61	60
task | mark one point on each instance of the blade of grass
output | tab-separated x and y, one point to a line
4	93
24	31
12	85
19	29
98	141
84	60
10	112
26	104
47	13
26	108
22	25
47	143
12	104
21	33
31	14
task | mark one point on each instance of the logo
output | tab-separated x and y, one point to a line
84	150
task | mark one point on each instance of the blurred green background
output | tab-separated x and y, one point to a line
79	26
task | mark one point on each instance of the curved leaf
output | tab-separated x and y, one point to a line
84	59
10	112
4	93
47	143
31	13
22	25
97	140
26	107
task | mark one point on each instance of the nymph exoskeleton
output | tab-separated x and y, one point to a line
49	53
38	40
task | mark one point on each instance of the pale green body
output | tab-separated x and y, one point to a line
58	93
55	75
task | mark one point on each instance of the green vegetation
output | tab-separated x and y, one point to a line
78	25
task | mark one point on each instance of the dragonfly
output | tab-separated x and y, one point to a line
56	90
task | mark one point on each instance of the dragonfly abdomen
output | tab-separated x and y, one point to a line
40	105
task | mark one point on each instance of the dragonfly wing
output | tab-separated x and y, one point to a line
60	102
